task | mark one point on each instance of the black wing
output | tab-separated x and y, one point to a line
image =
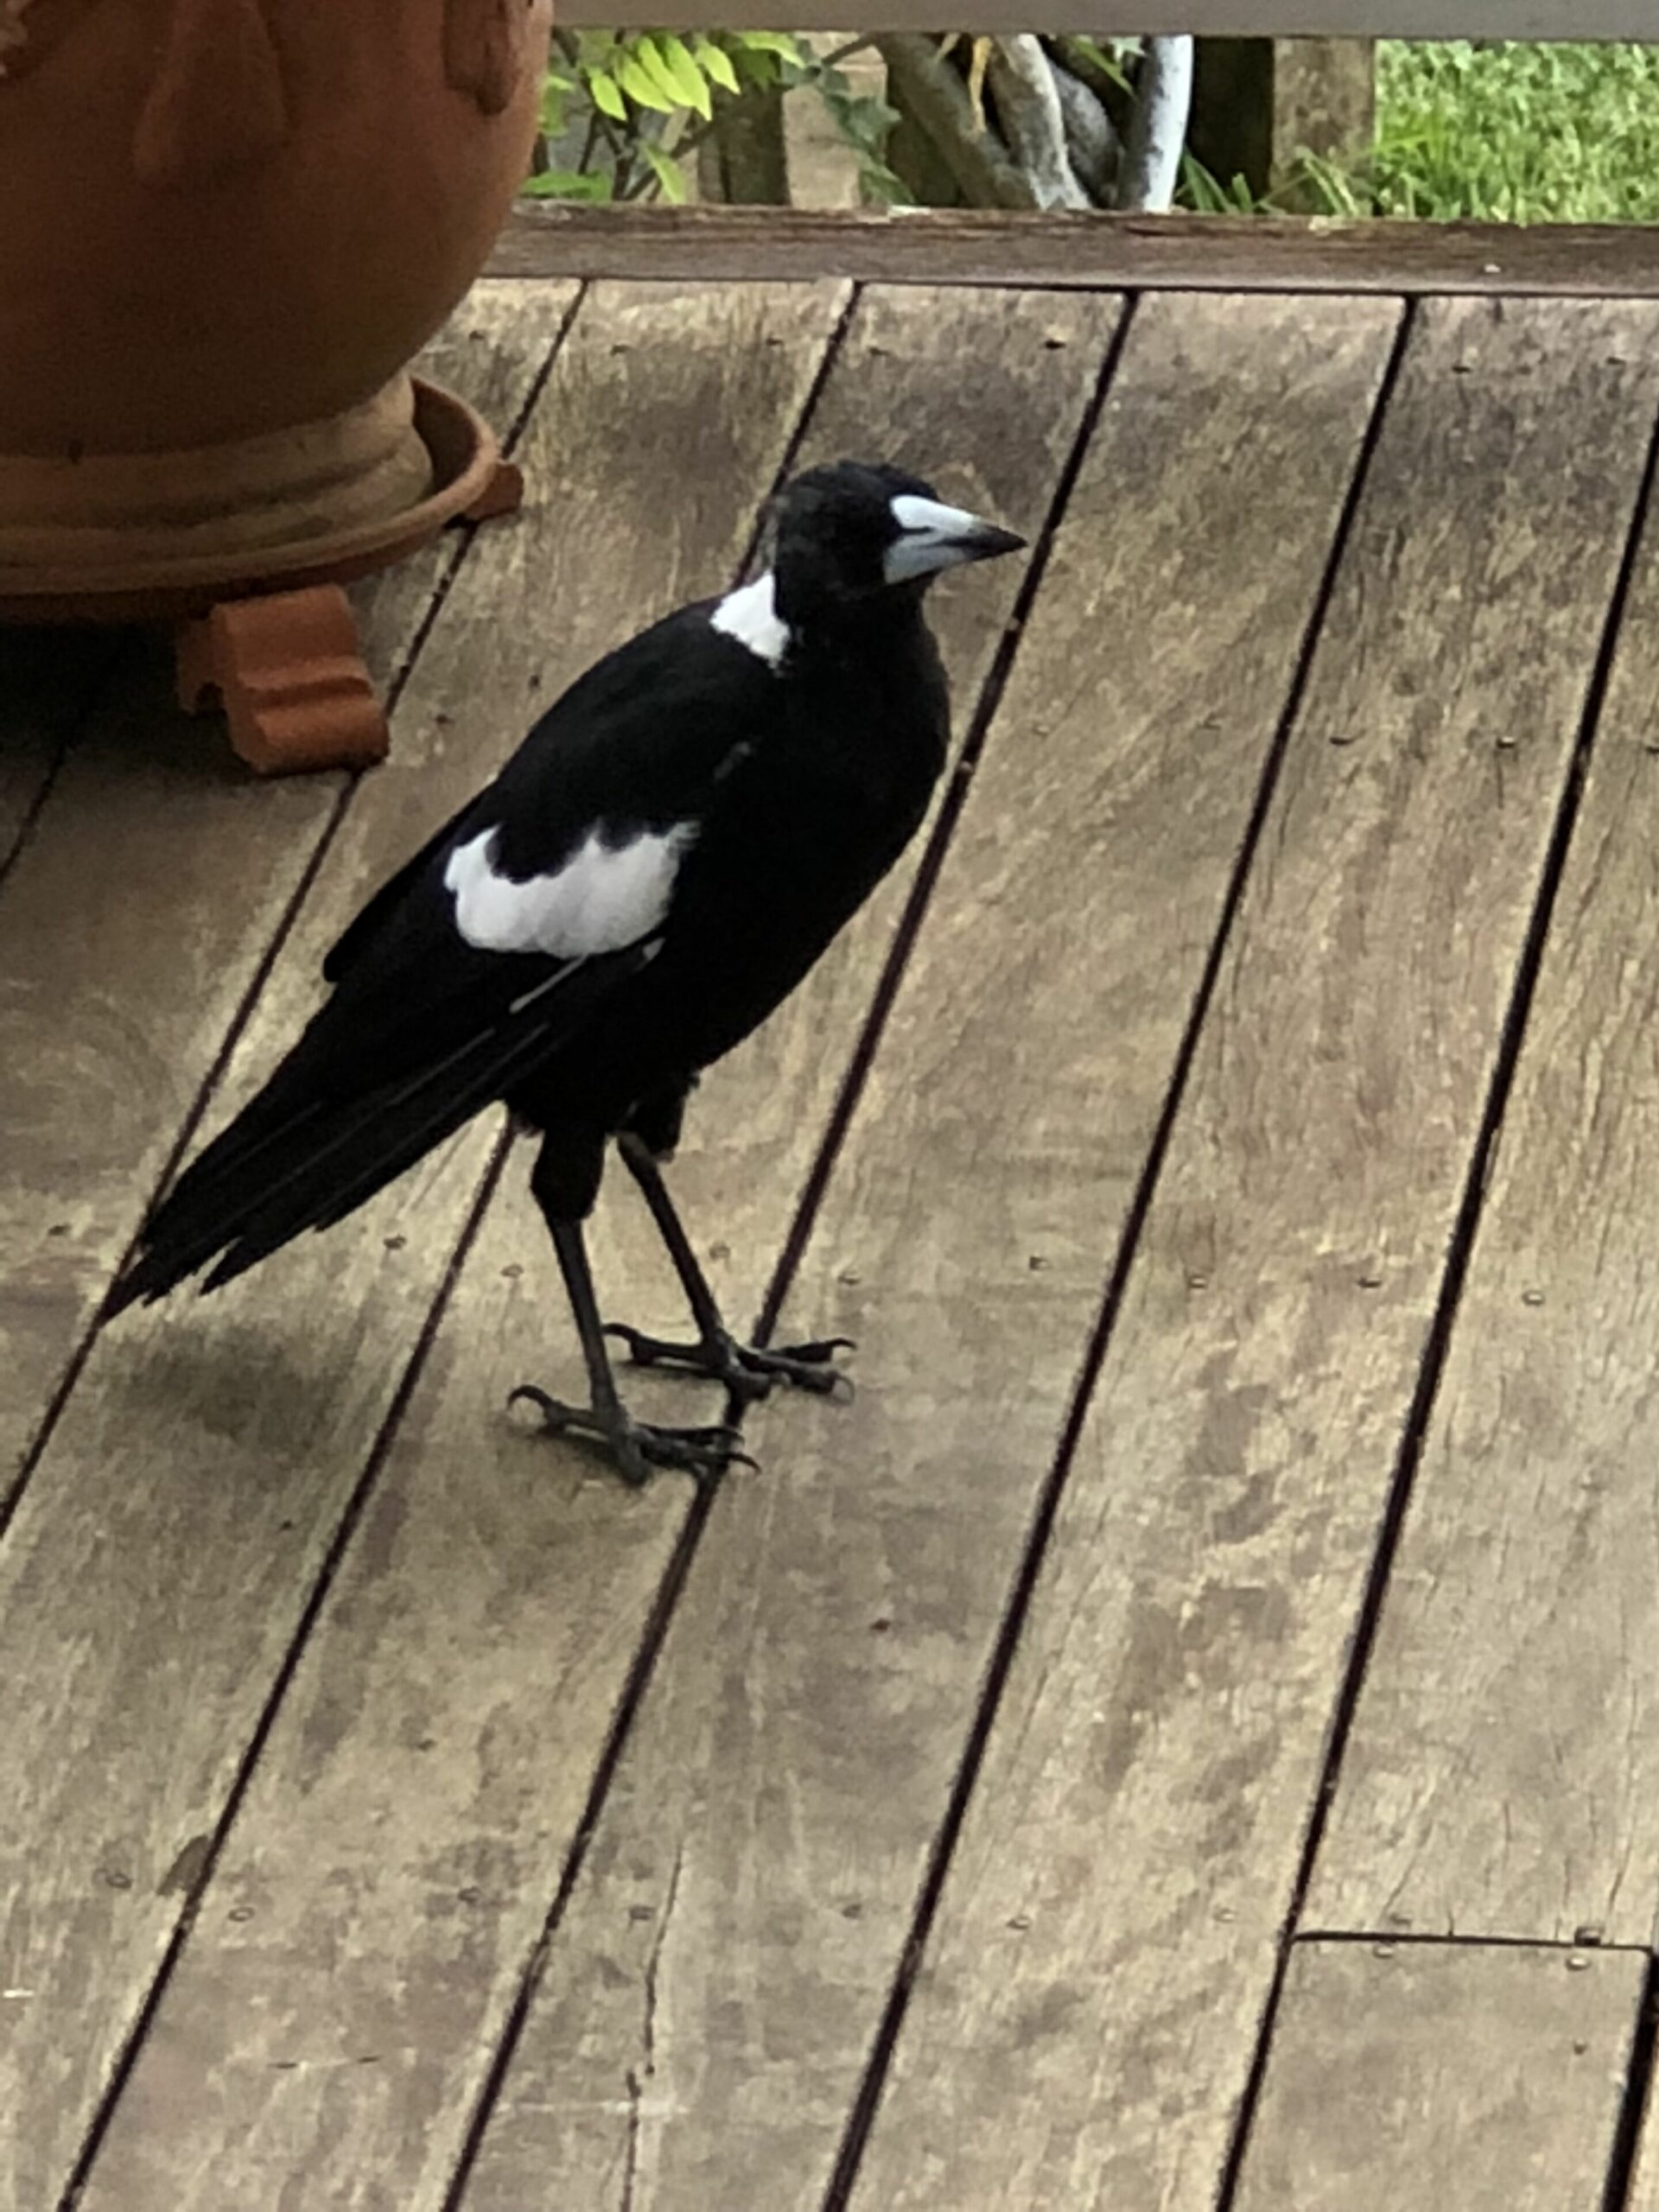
423	1029
366	924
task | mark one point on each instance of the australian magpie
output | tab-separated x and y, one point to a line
659	864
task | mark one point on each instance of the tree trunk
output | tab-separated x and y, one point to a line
743	159
927	91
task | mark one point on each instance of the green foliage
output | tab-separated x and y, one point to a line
863	121
628	107
1207	196
1519	133
1486	131
1112	57
1497	131
622	111
1490	129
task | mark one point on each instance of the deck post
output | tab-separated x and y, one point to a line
1260	102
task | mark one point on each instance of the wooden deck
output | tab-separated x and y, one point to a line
1188	1734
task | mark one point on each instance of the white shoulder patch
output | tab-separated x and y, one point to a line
601	899
751	616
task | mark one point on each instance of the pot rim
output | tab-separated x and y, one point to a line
465	456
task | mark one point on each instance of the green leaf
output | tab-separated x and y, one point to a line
639	87
605	96
555	91
778	42
667	173
864	120
645	54
754	67
566	184
655	63
684	74
880	188
717	64
1107	62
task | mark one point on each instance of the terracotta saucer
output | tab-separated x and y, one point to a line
467	478
266	631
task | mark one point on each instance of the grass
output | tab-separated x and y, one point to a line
1510	132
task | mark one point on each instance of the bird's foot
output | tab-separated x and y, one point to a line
636	1448
747	1370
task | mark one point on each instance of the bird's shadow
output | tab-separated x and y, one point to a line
235	1383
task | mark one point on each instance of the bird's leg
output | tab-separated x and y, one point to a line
747	1370
635	1446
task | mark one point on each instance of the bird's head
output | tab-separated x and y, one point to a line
849	533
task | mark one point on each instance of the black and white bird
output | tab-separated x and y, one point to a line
656	868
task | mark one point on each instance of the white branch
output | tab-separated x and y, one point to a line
1028	108
1163	108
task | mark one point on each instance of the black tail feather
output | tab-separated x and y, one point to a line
370	1148
295	1159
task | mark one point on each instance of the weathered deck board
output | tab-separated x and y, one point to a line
134	923
158	1567
1086	2009
403	1838
1503	1773
1083	2023
699	2034
999	442
1441	2074
47	684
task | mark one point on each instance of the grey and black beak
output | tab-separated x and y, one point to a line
932	535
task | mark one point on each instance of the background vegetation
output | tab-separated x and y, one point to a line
625	115
1484	129
1509	133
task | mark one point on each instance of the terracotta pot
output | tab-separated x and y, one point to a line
226	226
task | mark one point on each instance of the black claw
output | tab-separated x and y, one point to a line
747	1370
636	1448
649	1351
819	1352
532	1396
704	1453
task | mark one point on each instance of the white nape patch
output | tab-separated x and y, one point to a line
750	615
935	536
603	899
